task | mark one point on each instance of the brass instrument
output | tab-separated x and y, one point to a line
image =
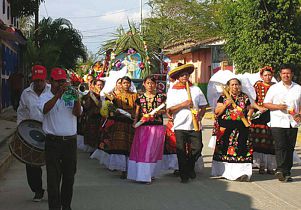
83	88
234	105
193	111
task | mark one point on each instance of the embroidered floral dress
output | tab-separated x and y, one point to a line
121	133
149	104
147	148
232	143
117	139
260	133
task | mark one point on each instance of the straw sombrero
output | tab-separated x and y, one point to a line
189	68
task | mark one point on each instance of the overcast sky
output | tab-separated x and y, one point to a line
95	19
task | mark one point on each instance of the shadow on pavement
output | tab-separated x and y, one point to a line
97	188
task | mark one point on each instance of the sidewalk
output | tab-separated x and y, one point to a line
8	126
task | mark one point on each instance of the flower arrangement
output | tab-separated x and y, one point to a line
141	65
107	109
118	64
131	51
75	79
147	117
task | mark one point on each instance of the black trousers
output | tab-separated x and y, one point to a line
285	141
34	178
186	160
61	159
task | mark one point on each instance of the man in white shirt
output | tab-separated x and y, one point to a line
28	109
179	105
60	126
283	100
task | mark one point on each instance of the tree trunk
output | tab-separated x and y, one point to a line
36	15
36	22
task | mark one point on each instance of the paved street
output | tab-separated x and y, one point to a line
99	189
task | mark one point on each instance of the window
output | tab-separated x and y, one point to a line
3	8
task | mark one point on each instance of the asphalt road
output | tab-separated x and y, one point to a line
96	188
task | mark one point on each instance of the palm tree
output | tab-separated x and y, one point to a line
55	43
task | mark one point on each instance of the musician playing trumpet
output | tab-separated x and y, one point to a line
187	103
60	126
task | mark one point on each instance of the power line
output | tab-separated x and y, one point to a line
96	29
96	16
111	34
97	35
46	9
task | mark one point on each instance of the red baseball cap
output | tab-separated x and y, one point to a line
58	74
39	72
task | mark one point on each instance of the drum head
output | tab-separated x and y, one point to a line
31	132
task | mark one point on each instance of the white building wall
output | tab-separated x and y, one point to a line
5	14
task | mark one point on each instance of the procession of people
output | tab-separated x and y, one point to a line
126	130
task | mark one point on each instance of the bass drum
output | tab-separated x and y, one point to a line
28	143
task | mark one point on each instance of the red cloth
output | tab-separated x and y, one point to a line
179	86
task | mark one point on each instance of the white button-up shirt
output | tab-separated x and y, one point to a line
28	106
59	120
183	118
280	94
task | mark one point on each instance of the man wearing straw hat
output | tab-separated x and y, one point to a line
187	104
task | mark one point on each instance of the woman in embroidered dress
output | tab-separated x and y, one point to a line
232	158
91	105
106	122
147	148
121	133
260	133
